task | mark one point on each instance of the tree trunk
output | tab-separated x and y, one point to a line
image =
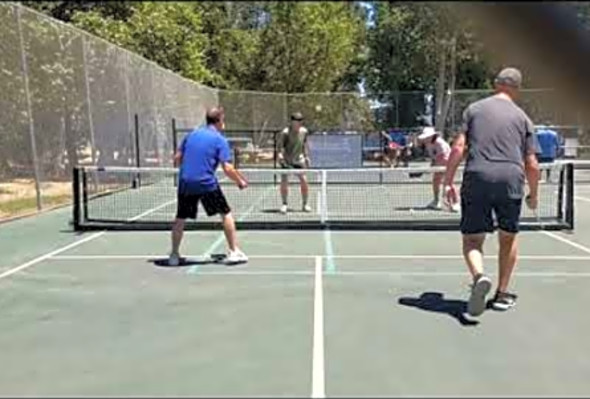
71	143
451	90
440	86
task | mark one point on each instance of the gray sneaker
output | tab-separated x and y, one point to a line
503	301
174	260
477	300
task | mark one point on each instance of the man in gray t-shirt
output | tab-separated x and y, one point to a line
499	141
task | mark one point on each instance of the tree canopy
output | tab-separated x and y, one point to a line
302	47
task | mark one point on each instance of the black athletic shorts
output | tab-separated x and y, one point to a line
214	203
286	166
291	166
478	205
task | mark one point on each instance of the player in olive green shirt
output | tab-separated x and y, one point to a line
293	154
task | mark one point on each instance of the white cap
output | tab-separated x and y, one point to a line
427	132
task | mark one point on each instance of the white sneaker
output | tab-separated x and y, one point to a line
456	208
284	209
173	260
434	205
306	208
235	257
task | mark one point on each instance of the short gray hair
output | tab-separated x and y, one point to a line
509	77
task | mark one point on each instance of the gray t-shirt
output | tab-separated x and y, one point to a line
499	135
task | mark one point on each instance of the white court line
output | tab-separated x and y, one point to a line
465	274
567	241
278	256
221	237
578	198
133	219
318	368
49	255
52	254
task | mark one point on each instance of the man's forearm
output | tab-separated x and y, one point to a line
177	160
452	164
233	174
532	172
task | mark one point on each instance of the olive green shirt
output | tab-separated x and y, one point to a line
292	145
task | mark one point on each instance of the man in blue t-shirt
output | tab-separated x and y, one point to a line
549	146
198	156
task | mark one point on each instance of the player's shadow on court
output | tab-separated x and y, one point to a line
435	302
214	259
163	262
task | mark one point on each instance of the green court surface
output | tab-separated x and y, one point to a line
317	314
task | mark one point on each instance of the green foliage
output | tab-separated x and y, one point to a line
308	47
233	41
410	49
166	33
406	43
582	10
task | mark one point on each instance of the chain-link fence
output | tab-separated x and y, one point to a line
539	104
70	98
249	110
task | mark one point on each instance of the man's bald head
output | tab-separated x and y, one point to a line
215	116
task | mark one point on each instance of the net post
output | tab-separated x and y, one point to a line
560	215
381	159
236	157
85	193
136	181
77	199
174	135
363	149
274	155
569	211
174	148
324	197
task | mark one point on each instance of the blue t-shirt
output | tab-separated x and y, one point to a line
549	143
202	151
398	137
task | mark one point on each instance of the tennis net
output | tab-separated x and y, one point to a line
396	199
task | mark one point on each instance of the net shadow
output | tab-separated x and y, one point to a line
215	259
278	211
418	208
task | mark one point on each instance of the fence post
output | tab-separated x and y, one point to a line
77	198
397	108
274	154
285	109
324	197
137	180
25	69
569	213
137	147
89	102
174	136
127	105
